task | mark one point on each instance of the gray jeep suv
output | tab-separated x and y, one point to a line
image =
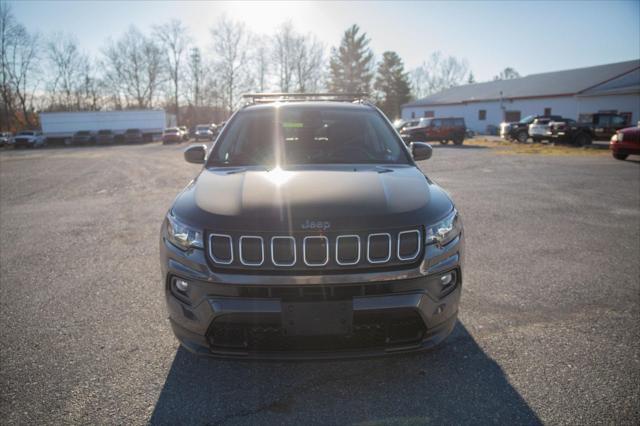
310	232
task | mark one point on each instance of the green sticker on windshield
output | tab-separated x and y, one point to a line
290	125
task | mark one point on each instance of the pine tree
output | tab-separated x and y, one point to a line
471	79
351	63
393	84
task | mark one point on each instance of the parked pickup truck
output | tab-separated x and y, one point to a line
602	126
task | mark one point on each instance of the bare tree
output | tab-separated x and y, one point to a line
308	60
437	74
231	42
297	59
134	68
174	39
283	53
67	68
19	67
261	61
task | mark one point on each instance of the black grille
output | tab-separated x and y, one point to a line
370	330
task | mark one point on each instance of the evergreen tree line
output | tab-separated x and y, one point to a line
163	68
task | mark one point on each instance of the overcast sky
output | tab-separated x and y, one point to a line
532	37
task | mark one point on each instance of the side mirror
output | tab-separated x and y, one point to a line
420	151
195	154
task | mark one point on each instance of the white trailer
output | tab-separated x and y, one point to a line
62	125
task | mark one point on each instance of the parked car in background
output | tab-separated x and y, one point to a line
625	142
172	135
203	132
185	132
400	125
29	139
105	137
441	130
601	126
519	131
539	129
82	137
133	136
6	138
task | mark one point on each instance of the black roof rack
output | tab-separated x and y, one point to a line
256	98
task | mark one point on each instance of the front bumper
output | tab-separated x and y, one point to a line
624	147
243	316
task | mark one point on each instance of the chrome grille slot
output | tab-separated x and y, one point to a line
251	250
408	245
379	247
347	250
221	248
315	250
283	251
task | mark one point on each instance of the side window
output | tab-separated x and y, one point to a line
436	123
604	120
618	121
482	114
627	117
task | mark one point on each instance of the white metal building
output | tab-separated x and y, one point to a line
573	94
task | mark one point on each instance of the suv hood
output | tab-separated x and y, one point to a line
348	197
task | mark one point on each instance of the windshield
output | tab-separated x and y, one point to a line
308	136
527	120
26	133
202	128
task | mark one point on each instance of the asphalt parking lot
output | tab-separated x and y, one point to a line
549	323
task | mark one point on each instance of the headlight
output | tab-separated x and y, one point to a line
620	136
444	231
182	235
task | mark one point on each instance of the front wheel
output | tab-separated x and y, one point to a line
619	156
458	141
522	137
444	142
583	139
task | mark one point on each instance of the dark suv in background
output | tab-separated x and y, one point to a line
311	232
133	136
440	130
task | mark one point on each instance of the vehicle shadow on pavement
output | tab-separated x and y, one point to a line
463	146
457	384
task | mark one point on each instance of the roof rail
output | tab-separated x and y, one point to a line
256	98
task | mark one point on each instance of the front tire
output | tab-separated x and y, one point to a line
522	137
619	156
583	139
444	142
458	141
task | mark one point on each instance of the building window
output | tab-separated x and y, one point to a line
511	116
413	114
547	111
429	114
482	114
